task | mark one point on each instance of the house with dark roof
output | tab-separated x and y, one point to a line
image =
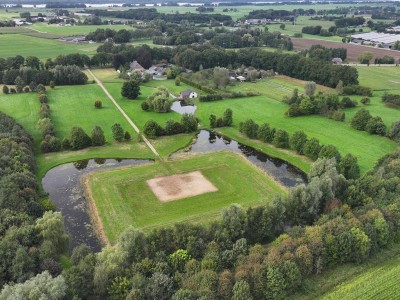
135	66
188	94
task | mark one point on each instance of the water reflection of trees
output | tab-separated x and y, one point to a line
100	161
81	164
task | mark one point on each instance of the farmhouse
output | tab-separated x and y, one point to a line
135	66
188	94
384	40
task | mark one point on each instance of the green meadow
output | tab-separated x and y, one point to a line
123	194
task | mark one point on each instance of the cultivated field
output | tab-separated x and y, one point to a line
124	195
42	48
353	51
379	282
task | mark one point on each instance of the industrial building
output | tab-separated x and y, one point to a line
385	40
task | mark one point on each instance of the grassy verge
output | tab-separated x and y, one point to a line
123	194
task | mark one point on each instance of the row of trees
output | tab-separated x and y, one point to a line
353	220
31	240
299	142
189	123
225	121
78	139
49	143
60	75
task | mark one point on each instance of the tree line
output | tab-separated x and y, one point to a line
264	252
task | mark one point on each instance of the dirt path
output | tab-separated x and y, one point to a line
133	125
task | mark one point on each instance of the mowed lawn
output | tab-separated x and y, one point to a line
74	106
269	108
24	108
18	44
379	78
124	199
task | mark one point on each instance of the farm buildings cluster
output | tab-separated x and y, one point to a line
384	40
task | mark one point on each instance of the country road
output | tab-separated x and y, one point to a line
133	125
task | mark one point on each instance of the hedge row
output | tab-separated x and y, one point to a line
198	85
213	97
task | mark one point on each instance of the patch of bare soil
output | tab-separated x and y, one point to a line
353	51
174	187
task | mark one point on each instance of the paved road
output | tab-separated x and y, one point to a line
125	115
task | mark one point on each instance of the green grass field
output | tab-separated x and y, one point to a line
268	108
75	30
18	44
123	194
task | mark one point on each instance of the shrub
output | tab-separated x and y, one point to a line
127	136
281	139
312	148
98	104
394	132
337	115
391	99
44	111
5	89
33	86
249	128
177	81
213	121
228	117
349	167
173	127
66	144
329	151
346	102
40	88
43	98
98	138
46	127
12	91
357	90
145	106
210	97
79	139
26	89
130	89
297	141
265	133
52	84
50	144
365	100
152	129
375	125
118	132
360	119
189	123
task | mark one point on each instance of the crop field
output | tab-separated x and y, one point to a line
75	30
123	194
268	108
40	47
353	51
379	282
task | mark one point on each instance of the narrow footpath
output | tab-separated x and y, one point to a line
125	115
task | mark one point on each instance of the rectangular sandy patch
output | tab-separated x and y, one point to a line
174	187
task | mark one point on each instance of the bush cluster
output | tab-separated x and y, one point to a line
225	120
355	89
362	120
49	143
198	86
391	99
189	123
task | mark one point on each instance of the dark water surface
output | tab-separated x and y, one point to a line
63	183
181	108
282	171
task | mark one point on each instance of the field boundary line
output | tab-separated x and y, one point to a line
133	125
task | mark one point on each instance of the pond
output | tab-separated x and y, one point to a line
281	170
63	183
181	108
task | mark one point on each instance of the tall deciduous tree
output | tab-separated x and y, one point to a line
130	89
